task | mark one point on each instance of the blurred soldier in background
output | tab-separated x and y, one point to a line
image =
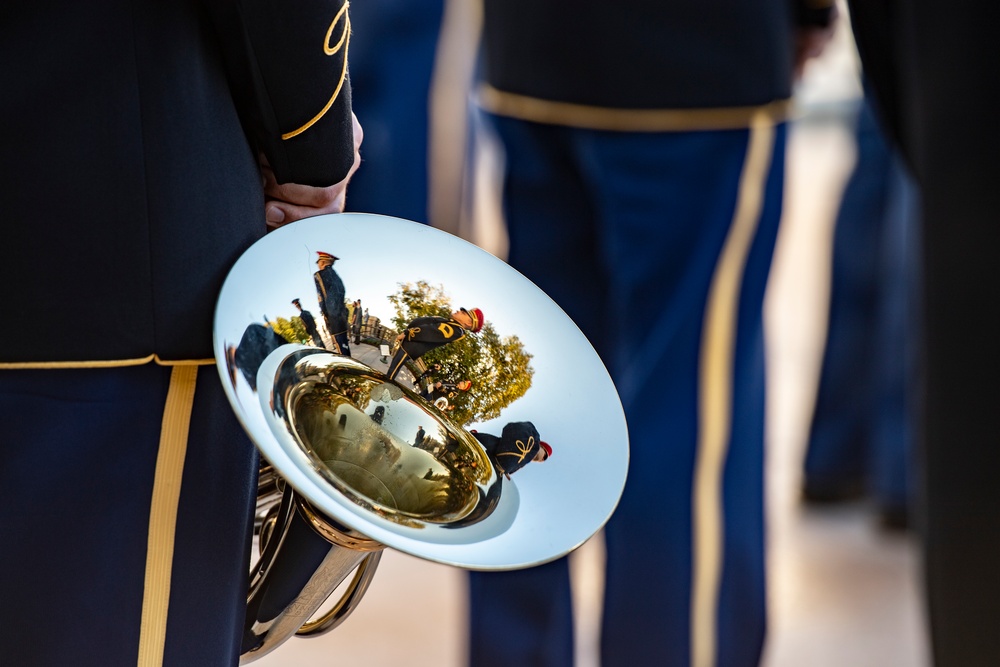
862	437
644	166
933	68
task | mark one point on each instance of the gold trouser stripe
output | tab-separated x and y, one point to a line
626	120
163	514
102	363
716	393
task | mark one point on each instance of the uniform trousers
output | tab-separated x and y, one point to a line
125	541
658	245
862	435
393	48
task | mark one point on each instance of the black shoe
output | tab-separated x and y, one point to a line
894	519
814	493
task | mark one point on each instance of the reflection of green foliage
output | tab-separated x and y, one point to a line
291	330
498	366
356	388
420	300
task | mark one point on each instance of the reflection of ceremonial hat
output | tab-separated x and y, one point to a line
477	319
326	256
296	302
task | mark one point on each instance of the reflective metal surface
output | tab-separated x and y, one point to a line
387	445
359	431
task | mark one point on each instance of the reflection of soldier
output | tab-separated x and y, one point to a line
309	322
258	341
427	333
419	438
447	390
431	370
356	322
330	292
517	446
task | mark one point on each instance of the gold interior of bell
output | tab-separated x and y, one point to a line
361	434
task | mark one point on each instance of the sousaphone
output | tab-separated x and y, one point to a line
373	437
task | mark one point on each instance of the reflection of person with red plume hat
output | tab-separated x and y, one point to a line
427	333
517	446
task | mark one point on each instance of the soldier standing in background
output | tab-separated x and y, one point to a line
309	322
644	145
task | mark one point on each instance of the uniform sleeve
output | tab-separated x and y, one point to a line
287	65
434	330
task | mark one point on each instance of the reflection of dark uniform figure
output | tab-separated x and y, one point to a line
428	373
446	390
423	335
167	106
257	342
517	446
419	438
330	291
309	322
356	323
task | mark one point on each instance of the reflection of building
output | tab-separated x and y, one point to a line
374	328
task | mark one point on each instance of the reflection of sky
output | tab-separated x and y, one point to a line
366	279
373	263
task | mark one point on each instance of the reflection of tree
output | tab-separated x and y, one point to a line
498	366
355	388
292	330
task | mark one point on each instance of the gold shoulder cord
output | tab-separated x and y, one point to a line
344	42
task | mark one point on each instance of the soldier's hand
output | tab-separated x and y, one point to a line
811	41
289	202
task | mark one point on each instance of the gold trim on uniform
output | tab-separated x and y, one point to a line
522	449
715	394
166	489
163	514
583	116
343	43
102	363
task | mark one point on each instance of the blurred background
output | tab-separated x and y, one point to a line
843	589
